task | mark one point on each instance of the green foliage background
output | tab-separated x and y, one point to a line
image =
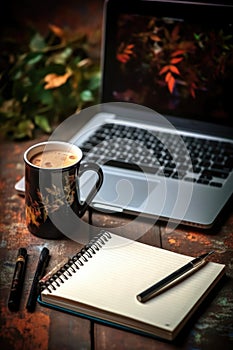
48	81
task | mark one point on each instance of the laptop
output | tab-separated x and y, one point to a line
163	130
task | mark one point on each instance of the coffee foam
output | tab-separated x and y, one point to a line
54	159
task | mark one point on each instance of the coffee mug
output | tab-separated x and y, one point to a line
52	187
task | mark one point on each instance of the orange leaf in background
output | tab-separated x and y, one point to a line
170	80
176	60
53	80
164	70
171	83
174	69
177	53
57	31
192	90
124	53
193	93
130	46
123	57
175	33
128	51
155	37
168	76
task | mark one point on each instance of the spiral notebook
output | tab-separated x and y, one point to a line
102	280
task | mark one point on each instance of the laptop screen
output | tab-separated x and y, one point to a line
174	58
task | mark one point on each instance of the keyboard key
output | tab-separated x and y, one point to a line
205	163
92	158
202	181
215	173
195	161
216	184
196	169
171	165
220	167
206	176
229	163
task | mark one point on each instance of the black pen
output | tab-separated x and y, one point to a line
17	281
168	281
42	263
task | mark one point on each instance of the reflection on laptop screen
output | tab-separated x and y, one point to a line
174	66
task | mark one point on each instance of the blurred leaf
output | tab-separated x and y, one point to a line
35	59
86	96
84	63
24	129
37	43
177	53
124	52
8	107
57	30
43	123
164	70
61	57
155	37
176	60
54	80
94	82
170	82
175	33
174	69
46	97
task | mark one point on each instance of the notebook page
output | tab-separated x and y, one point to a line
122	269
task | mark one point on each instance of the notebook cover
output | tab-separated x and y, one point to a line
99	320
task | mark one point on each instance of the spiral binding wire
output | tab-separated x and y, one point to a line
76	262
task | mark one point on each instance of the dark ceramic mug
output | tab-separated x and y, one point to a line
52	187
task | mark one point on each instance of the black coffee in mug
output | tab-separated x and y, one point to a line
52	190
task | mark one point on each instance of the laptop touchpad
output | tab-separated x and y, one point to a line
123	192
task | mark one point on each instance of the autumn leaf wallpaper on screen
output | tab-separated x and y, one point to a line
181	67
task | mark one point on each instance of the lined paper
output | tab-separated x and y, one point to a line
111	279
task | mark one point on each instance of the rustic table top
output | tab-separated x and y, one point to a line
210	328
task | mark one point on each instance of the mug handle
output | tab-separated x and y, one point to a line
97	169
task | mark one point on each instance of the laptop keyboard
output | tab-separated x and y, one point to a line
158	153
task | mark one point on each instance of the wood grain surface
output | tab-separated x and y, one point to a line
210	328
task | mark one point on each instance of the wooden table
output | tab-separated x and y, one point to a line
210	328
